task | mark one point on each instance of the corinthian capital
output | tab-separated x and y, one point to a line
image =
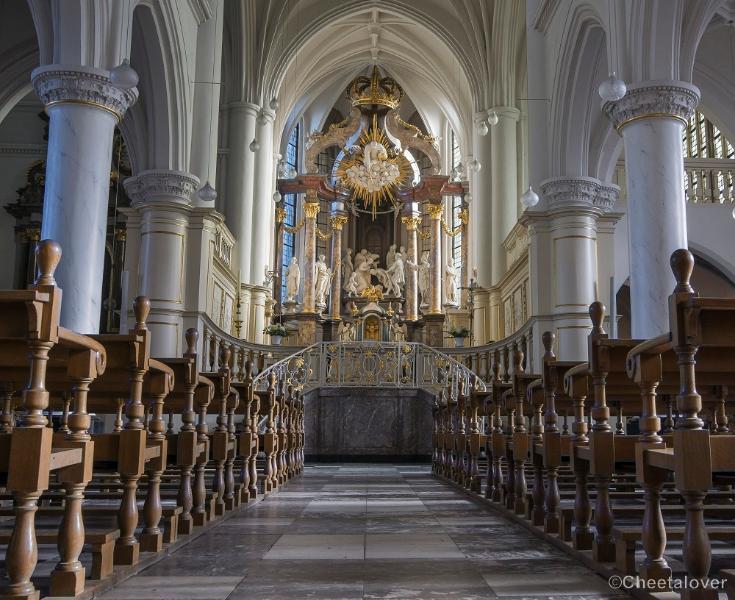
57	84
161	185
653	99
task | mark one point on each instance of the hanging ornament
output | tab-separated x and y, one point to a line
475	165
274	104
468	198
612	89
530	198
277	197
206	193
482	128
123	75
492	118
254	145
292	172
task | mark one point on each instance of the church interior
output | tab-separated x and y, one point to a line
403	299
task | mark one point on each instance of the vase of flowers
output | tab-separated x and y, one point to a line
459	334
277	333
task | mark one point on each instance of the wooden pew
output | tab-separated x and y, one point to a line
701	338
31	452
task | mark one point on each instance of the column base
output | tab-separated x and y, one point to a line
186	526
127	554
151	542
67	583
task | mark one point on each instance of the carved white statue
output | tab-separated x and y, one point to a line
424	278
397	274
451	292
363	270
399	331
293	280
391	256
347	267
352	285
322	279
346	331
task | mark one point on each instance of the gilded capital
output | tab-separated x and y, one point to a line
280	214
411	223
311	209
338	222
435	211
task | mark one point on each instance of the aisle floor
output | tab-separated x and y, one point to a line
365	531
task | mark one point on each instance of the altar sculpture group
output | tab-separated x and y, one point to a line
358	273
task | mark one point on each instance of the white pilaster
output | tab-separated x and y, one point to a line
240	166
650	118
563	235
163	201
504	184
481	223
206	98
83	108
263	212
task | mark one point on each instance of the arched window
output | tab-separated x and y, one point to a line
456	159
289	203
708	166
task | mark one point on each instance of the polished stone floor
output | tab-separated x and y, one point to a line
365	531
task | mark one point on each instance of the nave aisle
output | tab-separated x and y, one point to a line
365	531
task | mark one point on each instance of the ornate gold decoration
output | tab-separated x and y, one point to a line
383	91
373	293
280	214
338	222
323	236
419	134
435	211
311	209
295	228
411	223
375	171
425	235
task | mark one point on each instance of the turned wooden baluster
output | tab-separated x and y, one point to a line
66	405
185	497
7	419
252	463
22	553
151	536
521	487
539	491
723	425
553	498
281	431
233	401
510	488
600	412
668	426
247	433
218	481
576	388
696	550
199	491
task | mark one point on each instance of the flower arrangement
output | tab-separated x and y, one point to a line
276	330
459	332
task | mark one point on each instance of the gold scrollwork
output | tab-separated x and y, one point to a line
323	236
411	223
296	228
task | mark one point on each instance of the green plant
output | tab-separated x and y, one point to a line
461	332
276	329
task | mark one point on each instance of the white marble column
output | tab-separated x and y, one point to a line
650	118
258	299
481	210
83	108
262	216
437	266
240	167
203	162
504	183
412	221
162	198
